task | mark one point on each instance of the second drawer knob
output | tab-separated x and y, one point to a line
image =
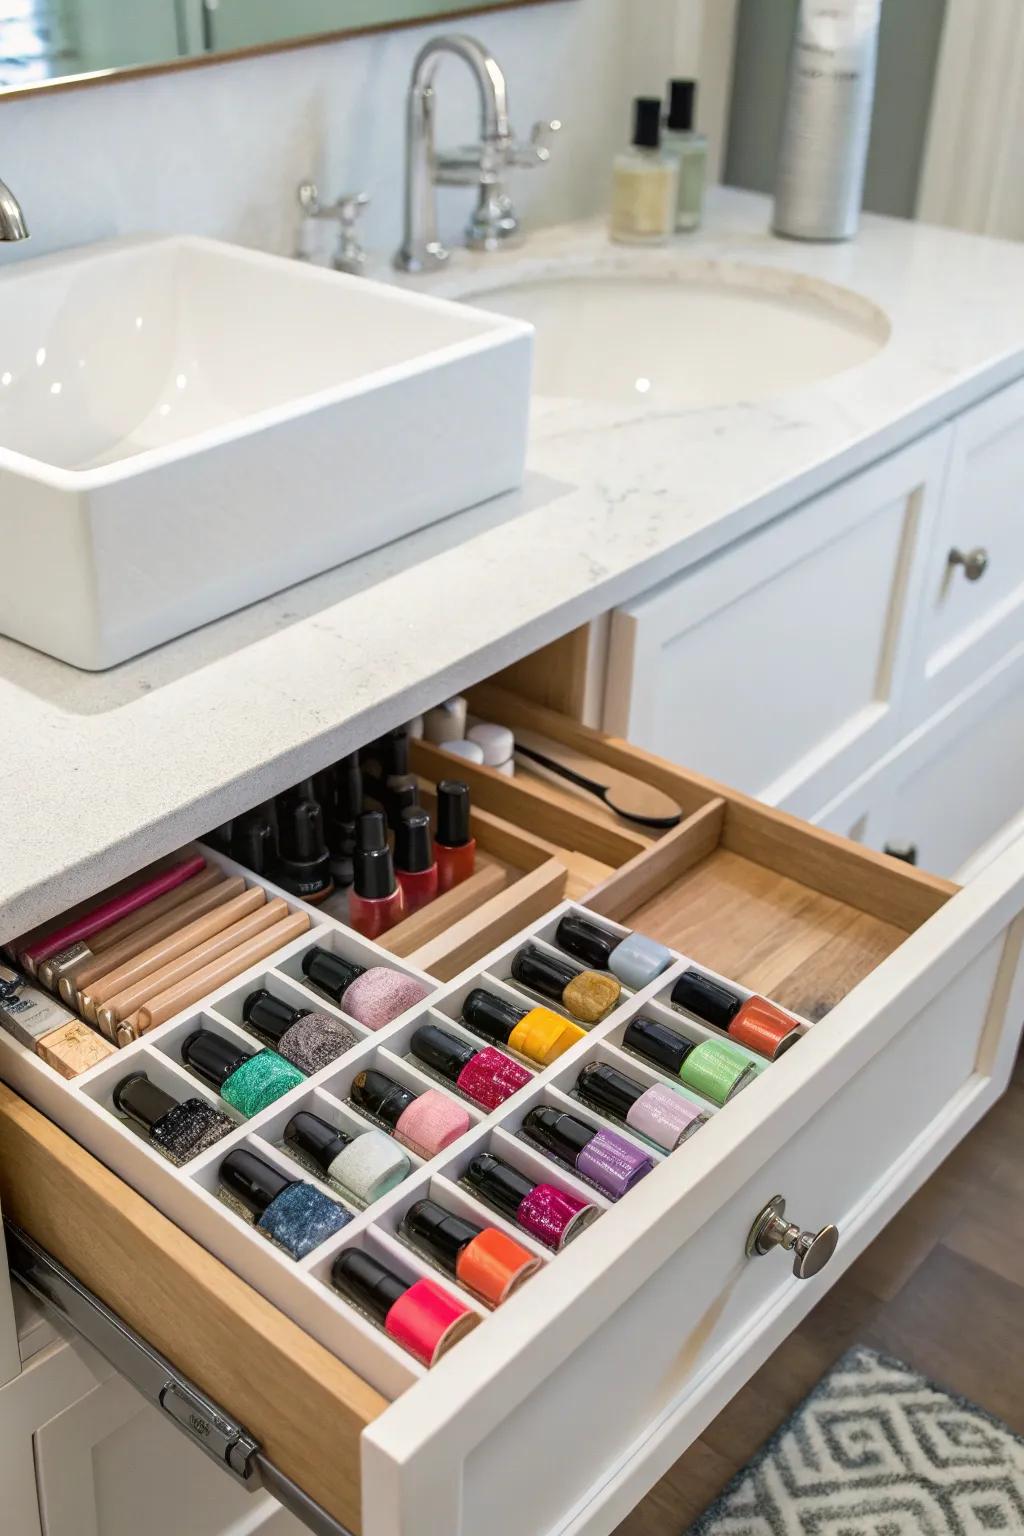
974	562
811	1250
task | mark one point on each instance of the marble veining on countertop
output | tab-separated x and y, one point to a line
99	773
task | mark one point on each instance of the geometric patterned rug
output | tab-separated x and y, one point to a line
878	1450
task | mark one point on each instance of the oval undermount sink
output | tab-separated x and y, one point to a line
691	334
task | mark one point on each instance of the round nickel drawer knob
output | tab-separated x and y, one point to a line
811	1250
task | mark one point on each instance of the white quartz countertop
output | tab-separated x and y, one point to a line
99	773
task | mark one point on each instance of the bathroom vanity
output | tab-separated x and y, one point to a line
798	613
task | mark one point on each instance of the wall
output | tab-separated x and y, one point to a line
220	151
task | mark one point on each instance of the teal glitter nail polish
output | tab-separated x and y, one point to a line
248	1082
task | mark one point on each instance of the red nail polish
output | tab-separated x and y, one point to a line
454	848
375	902
420	1315
415	865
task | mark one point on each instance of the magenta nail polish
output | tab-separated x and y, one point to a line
549	1214
486	1076
607	1160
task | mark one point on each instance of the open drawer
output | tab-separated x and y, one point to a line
565	1405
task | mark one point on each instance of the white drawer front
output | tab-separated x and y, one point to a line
779	665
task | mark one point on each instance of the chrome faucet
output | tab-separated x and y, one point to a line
12	220
484	165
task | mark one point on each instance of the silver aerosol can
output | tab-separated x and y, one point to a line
823	150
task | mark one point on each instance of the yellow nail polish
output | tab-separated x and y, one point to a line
544	1035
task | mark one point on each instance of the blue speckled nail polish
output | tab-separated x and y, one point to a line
293	1213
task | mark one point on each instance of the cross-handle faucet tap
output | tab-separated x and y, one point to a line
12	220
482	165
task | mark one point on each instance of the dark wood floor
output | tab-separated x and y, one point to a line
942	1288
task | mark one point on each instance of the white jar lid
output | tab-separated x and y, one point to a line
497	742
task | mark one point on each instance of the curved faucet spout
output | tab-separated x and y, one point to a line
12	220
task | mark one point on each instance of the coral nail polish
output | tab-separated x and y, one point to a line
487	1076
248	1081
375	902
180	1129
420	1314
607	1160
635	960
415	865
487	1262
373	995
751	1021
425	1122
547	1213
588	995
714	1069
454	847
364	1167
539	1034
307	1039
657	1112
296	1215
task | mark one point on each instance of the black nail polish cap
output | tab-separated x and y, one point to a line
543	972
373	873
657	1043
558	1132
681	104
606	1088
303	790
252	841
437	1232
380	1096
303	862
710	1000
453	813
330	972
493	1016
647	122
504	1186
212	1057
367	1283
251	1180
401	793
142	1101
316	1138
446	1053
392	751
414	845
270	1014
586	940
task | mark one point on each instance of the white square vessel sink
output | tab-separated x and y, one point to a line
187	426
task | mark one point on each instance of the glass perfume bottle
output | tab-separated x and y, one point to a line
690	151
644	182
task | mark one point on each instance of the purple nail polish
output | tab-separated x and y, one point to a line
606	1159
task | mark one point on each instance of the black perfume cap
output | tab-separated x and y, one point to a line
330	972
453	813
414	845
606	1088
373	873
710	1000
557	1132
647	122
446	1053
270	1014
588	941
367	1283
252	840
657	1043
492	1016
380	1096
429	1227
316	1138
541	971
211	1056
251	1180
302	862
142	1101
505	1187
682	102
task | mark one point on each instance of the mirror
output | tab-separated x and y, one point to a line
46	43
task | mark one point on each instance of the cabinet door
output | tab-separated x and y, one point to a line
780	665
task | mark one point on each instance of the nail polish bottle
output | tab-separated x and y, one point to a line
483	1259
401	794
657	1112
364	1167
588	995
375	903
549	1214
751	1021
419	1314
644	182
487	1076
302	865
635	960
605	1158
252	841
454	847
307	1039
539	1034
180	1129
372	995
296	1215
425	1122
342	812
690	151
247	1081
415	865
714	1069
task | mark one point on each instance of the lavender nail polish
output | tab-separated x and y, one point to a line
606	1159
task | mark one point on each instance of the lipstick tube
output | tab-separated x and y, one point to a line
658	1112
538	1033
415	865
487	1076
605	1158
420	1315
425	1122
588	995
751	1021
635	959
486	1261
454	845
548	1213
